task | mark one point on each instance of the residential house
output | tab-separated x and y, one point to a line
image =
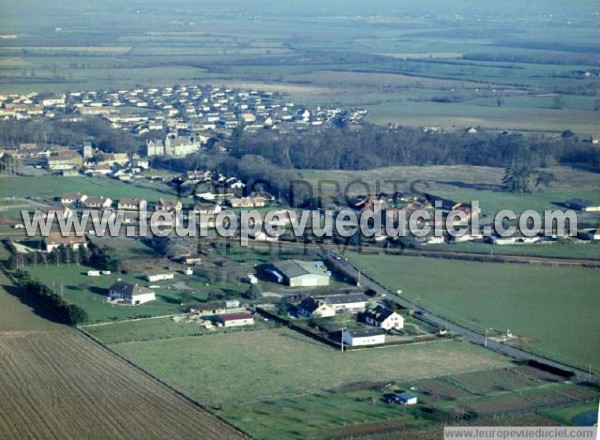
67	160
582	205
441	203
56	240
92	202
207	208
129	293
384	318
362	337
132	204
246	202
297	273
168	205
351	302
72	198
315	308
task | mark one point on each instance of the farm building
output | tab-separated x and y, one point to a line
355	301
406	399
130	293
296	273
384	318
315	308
582	205
235	319
160	277
56	240
361	337
191	260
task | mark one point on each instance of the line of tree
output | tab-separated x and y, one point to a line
374	146
46	132
55	304
99	257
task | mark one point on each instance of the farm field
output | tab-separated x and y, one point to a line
48	187
585	250
254	365
397	61
58	384
255	382
522	298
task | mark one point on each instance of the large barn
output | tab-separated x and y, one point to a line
297	273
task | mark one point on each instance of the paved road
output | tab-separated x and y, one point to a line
440	322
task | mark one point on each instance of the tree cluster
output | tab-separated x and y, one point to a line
63	311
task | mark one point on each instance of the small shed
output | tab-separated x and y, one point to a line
406	399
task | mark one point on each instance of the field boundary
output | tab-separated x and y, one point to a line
177	391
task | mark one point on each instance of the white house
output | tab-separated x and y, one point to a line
355	301
315	308
56	240
130	293
132	204
97	202
384	318
235	319
361	337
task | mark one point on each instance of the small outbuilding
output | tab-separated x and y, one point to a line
406	399
362	337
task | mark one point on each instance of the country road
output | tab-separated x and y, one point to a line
476	338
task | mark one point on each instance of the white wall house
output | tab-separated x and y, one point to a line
315	308
384	318
130	293
160	277
363	337
235	319
356	302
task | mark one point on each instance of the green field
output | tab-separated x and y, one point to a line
272	364
90	292
276	383
48	187
587	250
554	308
393	60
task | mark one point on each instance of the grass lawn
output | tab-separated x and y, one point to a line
273	364
145	329
554	307
90	292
